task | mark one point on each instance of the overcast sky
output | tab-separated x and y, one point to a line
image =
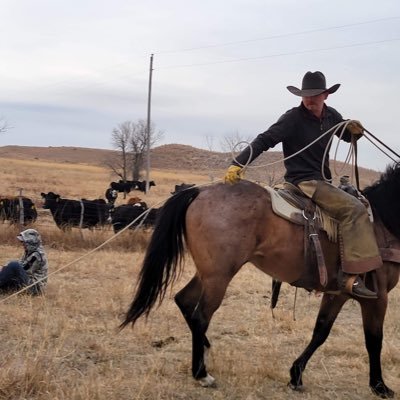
73	70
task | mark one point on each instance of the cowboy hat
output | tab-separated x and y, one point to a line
313	84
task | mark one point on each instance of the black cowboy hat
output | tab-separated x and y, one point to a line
313	84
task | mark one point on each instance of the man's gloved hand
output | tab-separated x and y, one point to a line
355	127
233	175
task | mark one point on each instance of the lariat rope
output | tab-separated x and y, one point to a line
246	165
334	130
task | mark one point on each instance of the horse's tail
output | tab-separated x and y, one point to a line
162	262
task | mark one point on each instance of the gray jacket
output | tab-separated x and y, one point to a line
34	260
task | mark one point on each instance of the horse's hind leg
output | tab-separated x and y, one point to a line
373	313
198	301
329	310
187	299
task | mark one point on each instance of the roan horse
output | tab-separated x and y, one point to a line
226	226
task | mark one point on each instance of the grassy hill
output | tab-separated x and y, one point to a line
175	157
66	345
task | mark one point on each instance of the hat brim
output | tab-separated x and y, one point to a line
311	92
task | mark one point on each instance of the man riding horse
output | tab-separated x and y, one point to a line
296	130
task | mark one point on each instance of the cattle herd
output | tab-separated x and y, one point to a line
17	210
85	213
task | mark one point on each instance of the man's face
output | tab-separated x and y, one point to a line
315	103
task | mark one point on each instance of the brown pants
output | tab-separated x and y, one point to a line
361	253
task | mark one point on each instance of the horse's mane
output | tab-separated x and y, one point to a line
384	197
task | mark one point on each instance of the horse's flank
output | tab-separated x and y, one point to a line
243	228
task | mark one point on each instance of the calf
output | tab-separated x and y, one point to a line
111	195
134	200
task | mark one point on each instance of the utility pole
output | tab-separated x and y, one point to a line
149	125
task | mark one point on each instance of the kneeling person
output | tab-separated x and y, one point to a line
31	269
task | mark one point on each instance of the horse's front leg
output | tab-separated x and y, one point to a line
329	310
373	313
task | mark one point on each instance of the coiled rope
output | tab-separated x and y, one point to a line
334	132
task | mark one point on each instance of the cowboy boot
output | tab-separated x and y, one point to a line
352	284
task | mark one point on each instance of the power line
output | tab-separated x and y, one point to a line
281	54
289	34
103	82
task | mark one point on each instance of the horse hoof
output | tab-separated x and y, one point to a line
207	381
297	388
382	391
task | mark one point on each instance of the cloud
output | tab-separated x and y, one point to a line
72	71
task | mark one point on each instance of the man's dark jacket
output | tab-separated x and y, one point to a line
296	129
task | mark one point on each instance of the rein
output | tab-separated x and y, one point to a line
354	145
383	144
357	176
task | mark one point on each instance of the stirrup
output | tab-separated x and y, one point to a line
354	286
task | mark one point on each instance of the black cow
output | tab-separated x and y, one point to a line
182	186
18	209
141	185
123	215
81	213
122	186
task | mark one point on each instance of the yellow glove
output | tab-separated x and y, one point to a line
355	127
233	175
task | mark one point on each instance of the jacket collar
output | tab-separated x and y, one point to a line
310	115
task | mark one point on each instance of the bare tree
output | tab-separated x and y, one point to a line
3	125
130	139
120	139
234	142
210	143
138	144
274	178
115	164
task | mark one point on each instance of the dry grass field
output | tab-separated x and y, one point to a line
66	344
